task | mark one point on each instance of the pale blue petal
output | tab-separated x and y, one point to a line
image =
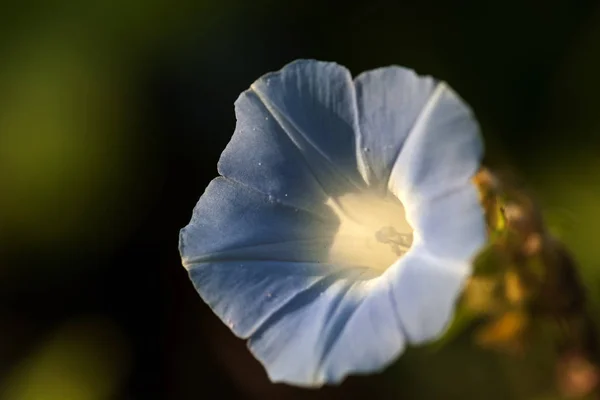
422	142
298	313
349	326
452	226
390	101
296	135
442	152
371	339
292	344
301	318
308	322
232	221
223	247
253	296
260	155
426	289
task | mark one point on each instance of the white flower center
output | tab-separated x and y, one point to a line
373	230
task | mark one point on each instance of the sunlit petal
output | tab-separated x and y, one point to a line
442	152
371	338
293	342
452	226
234	222
296	134
426	288
390	101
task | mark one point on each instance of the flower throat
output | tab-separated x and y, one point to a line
373	231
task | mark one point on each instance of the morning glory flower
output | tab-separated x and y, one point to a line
345	221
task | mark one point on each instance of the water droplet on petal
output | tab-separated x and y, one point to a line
259	163
366	149
266	118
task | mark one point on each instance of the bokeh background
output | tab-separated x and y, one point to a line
113	115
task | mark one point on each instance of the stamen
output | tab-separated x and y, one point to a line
400	243
360	239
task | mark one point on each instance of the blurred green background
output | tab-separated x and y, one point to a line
112	118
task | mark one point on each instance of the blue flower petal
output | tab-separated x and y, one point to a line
293	343
452	226
442	152
371	338
296	312
426	289
253	296
390	100
223	249
234	222
296	135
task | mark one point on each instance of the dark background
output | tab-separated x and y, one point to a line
112	119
